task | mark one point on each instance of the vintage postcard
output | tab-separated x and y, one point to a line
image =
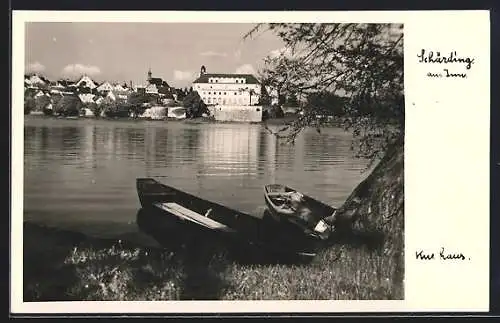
225	162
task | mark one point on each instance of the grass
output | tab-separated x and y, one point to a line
110	270
364	262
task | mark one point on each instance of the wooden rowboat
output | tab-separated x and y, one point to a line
201	214
289	205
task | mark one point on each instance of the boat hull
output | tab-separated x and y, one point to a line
196	213
305	214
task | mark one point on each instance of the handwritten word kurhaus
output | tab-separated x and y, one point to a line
452	57
443	255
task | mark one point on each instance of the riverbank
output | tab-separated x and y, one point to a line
64	265
278	121
202	120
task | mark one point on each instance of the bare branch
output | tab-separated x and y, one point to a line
360	62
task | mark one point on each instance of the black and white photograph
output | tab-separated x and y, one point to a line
213	161
249	162
259	162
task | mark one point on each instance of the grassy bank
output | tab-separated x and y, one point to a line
57	267
62	265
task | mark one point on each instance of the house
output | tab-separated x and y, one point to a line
151	89
123	95
86	97
56	88
105	87
98	99
35	81
121	91
159	82
88	113
120	88
227	89
155	86
27	84
39	94
140	88
86	81
166	92
30	92
111	96
66	83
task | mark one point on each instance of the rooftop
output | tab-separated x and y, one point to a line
249	78
158	81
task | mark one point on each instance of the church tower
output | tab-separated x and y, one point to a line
150	75
203	70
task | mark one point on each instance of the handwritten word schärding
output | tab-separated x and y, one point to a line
431	57
452	58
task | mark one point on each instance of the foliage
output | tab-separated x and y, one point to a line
181	94
326	103
291	100
172	103
361	62
95	108
251	92
195	107
136	102
68	105
264	98
115	109
275	77
56	98
272	112
42	102
29	104
84	89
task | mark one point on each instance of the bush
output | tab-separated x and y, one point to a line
195	107
116	109
29	105
42	102
68	106
273	112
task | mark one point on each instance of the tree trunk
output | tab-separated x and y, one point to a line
380	195
375	211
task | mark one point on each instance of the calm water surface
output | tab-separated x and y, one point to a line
80	174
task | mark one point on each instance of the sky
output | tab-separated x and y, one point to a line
123	52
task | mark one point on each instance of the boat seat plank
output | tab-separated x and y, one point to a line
186	213
277	194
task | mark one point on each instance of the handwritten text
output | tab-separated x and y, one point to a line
435	57
442	255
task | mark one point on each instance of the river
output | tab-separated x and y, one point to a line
80	174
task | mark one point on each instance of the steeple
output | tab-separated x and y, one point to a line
150	75
203	70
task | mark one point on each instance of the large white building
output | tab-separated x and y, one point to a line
227	89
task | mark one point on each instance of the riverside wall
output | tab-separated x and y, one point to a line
235	113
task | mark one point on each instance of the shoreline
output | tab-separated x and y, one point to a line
64	265
272	122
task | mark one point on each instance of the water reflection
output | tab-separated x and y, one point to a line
230	150
81	173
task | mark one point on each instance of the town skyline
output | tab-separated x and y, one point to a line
173	51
